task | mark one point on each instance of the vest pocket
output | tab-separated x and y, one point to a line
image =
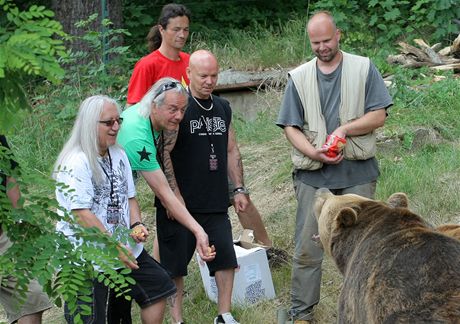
303	162
360	147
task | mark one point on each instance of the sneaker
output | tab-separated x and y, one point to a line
225	318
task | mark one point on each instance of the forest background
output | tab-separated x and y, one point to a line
53	54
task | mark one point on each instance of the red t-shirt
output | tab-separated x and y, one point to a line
153	67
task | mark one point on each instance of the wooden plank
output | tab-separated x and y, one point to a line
453	66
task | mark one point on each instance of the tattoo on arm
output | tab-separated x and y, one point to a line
170	138
235	162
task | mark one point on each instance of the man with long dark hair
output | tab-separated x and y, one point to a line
166	59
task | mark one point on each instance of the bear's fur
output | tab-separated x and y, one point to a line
449	230
396	267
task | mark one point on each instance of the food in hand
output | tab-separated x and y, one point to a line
211	249
334	144
137	232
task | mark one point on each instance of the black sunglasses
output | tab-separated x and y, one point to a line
168	86
109	123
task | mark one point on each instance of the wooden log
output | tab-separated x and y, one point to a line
420	55
433	56
445	51
445	67
436	47
455	48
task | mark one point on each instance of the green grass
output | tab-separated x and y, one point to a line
260	48
429	176
419	101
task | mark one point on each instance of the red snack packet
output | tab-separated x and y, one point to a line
334	144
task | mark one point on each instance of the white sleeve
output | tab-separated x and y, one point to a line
76	174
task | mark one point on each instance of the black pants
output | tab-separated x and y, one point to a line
118	309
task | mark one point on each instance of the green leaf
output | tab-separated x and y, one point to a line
392	15
382	27
86	299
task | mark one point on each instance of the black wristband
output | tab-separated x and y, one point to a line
135	224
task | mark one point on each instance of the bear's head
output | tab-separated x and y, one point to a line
334	212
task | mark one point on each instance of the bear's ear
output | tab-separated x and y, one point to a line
347	217
398	199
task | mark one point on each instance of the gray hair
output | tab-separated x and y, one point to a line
156	95
84	135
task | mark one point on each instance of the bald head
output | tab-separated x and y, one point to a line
202	73
321	20
201	57
324	37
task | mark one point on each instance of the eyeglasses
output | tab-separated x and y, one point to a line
168	86
109	123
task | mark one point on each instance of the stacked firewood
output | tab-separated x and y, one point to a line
447	58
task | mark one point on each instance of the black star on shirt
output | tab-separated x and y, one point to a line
144	155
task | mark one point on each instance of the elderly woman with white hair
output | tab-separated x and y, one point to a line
98	172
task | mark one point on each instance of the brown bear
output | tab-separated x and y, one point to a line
396	267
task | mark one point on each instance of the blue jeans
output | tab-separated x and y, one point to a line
308	255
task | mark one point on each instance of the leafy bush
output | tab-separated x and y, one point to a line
39	251
54	108
390	20
30	44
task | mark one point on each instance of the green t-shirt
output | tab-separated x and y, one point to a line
136	137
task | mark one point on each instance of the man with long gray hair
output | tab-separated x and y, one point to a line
161	109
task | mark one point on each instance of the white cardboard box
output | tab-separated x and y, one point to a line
253	280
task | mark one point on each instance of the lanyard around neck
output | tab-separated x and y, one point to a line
210	135
111	174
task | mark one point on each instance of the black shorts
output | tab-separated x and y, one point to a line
177	244
153	282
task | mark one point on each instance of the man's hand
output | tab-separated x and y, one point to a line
320	155
127	258
139	233
240	202
207	253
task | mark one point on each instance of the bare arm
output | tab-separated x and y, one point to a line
158	183
235	164
135	216
169	138
299	141
363	125
235	170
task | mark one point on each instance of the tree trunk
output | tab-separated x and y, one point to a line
69	12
